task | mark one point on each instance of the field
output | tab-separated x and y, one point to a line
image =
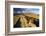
25	20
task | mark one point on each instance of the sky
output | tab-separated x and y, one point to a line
26	10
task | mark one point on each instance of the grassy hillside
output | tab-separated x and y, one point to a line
27	15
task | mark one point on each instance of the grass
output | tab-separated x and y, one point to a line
27	16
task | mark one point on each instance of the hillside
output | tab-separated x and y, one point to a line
25	16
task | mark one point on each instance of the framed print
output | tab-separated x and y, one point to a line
24	18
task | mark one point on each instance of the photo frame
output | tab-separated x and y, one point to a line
23	10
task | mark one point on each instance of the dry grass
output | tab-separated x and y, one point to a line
24	20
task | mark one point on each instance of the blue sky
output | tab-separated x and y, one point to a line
26	10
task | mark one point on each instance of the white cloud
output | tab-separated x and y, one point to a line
27	10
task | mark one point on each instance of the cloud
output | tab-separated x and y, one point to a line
27	10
